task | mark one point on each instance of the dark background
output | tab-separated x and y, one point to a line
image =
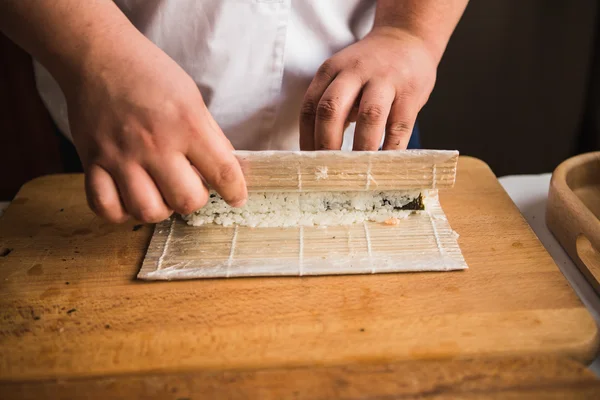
519	87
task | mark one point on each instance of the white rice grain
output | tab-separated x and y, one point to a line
285	209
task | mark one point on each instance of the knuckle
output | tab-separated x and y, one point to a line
131	129
308	109
172	110
412	86
176	111
187	120
327	110
108	210
388	72
226	174
188	204
151	214
399	129
357	65
101	204
327	70
136	138
149	141
95	153
372	114
404	73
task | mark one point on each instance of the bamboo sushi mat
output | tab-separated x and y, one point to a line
424	241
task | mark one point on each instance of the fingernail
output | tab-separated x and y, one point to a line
239	203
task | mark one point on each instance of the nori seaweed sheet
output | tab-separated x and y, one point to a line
416	204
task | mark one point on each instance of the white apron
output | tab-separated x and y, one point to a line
251	59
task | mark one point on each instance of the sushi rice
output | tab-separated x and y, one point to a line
285	209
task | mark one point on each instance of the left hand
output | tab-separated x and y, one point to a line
381	82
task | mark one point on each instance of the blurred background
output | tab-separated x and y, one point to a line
519	87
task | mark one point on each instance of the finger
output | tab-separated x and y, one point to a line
103	196
140	195
179	183
353	114
400	124
354	111
308	111
333	111
373	112
212	155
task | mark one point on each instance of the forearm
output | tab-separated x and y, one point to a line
65	35
431	20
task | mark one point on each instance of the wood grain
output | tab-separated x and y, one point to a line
573	212
540	378
70	305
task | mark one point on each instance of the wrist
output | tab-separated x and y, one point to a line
433	21
92	56
403	34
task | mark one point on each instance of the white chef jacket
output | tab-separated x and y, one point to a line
251	59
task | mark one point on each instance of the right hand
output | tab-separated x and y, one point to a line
145	137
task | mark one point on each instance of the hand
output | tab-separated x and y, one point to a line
381	82
146	138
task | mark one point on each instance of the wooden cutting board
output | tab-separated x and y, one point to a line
70	305
500	379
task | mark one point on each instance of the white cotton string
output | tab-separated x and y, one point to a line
166	246
232	251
